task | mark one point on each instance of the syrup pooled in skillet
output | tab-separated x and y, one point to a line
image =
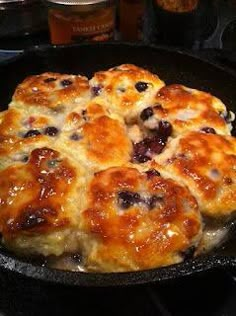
92	171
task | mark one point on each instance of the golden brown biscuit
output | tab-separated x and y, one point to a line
187	109
91	111
206	164
37	113
39	203
126	89
99	143
21	132
18	122
137	220
79	168
51	91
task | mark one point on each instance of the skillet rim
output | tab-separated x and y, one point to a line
114	279
87	279
182	51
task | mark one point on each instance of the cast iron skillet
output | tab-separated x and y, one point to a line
173	67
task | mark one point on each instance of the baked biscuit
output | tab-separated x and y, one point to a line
54	91
38	111
95	137
126	89
97	168
187	109
206	164
99	143
39	204
21	132
137	221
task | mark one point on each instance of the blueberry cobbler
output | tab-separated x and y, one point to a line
116	173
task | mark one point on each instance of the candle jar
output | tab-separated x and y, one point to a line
81	20
178	5
185	22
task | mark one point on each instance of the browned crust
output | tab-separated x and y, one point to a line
196	157
33	194
143	235
174	98
118	85
106	141
36	90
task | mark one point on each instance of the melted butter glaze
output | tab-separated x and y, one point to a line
139	237
32	194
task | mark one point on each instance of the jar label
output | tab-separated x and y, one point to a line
68	27
91	29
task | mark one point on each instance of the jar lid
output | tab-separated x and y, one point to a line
76	2
15	4
16	1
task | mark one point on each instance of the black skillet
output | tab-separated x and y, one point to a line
173	67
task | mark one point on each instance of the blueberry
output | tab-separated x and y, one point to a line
141	86
33	221
146	113
140	152
96	90
32	133
49	80
127	199
51	131
156	144
150	145
75	136
208	130
152	173
25	159
164	129
66	82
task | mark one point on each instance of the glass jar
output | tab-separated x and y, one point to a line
81	20
185	22
131	19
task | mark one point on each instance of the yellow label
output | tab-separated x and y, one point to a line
66	27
